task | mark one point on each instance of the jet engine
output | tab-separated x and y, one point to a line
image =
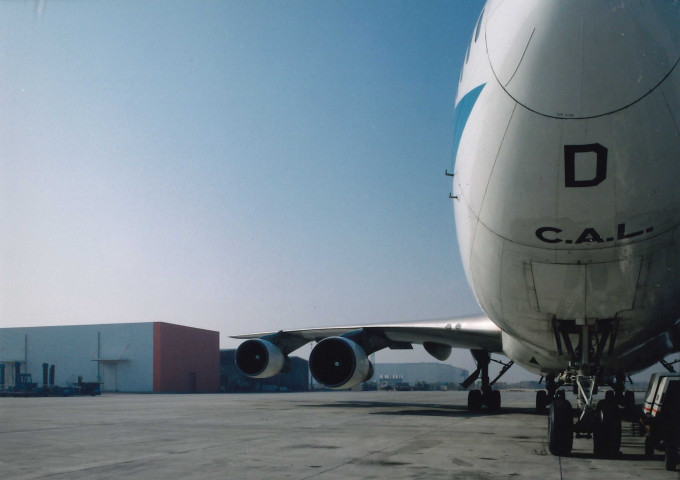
338	362
259	358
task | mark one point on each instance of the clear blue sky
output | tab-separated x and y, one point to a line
232	165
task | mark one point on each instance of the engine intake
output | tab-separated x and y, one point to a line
259	358
337	362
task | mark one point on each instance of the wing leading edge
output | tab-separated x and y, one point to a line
477	332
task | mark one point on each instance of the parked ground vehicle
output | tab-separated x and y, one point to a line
661	417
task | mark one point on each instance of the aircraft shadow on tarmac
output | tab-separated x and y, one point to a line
421	409
461	411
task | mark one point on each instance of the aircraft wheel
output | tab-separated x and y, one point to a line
541	401
609	396
607	434
629	399
560	427
649	447
629	403
671	457
475	400
494	401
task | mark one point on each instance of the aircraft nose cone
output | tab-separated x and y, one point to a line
582	58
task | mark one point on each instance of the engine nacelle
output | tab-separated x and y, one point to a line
259	358
337	362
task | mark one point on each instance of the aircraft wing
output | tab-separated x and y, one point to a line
476	332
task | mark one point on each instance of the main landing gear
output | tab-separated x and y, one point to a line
486	396
600	421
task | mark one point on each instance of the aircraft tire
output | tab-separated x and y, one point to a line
560	427
629	401
649	447
607	434
671	457
475	400
494	401
541	401
609	396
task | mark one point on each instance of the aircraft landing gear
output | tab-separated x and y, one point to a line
601	421
487	395
478	398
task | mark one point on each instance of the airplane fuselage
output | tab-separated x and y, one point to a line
567	167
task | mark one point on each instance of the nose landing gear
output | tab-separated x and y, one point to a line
601	421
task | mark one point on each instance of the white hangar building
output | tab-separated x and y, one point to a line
126	357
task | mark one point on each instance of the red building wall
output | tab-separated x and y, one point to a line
185	359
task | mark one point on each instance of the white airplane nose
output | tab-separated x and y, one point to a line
582	58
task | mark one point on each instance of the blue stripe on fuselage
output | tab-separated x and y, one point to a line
461	115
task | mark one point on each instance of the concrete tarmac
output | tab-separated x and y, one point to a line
315	435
